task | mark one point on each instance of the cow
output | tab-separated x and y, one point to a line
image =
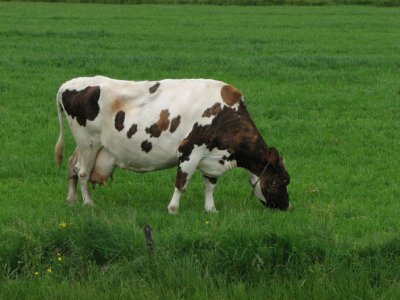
146	126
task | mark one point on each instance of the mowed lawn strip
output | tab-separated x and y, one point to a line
322	85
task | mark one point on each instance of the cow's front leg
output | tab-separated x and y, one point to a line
185	172
173	205
210	184
182	180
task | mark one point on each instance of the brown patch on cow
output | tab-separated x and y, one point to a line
154	88
172	209
82	105
184	142
212	180
117	105
146	146
232	130
175	123
98	178
181	178
212	111
221	161
119	120
131	131
231	95
162	124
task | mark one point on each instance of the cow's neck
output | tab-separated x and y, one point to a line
250	149
252	159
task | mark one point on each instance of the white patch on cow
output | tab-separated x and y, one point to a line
204	121
254	180
209	205
189	166
173	205
235	107
210	164
196	155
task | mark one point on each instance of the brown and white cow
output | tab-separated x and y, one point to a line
146	126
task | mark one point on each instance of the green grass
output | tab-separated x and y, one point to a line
322	84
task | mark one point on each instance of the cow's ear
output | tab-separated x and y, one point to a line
272	156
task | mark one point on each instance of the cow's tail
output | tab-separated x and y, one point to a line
59	148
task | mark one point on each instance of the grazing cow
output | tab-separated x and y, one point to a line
146	126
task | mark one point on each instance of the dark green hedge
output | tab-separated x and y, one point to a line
236	2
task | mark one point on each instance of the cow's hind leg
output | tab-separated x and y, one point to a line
72	177
210	184
86	161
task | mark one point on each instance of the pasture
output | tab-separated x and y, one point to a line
322	85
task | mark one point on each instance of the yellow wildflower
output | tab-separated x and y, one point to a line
36	273
48	270
63	225
207	222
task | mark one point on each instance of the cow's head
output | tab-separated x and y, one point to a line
271	186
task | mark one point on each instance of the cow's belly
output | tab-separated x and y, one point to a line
141	153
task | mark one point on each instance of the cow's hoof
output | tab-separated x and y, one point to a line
89	204
211	209
172	210
71	200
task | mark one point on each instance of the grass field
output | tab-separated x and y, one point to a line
323	86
